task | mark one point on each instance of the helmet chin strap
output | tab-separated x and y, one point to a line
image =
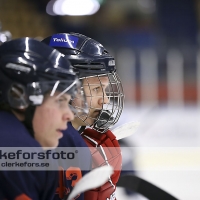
81	129
104	121
29	113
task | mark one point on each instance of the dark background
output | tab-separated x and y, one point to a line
126	27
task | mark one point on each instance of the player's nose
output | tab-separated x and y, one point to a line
104	99
68	115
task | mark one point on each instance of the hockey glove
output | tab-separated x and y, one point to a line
105	150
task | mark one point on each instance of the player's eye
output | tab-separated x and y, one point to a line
96	89
63	100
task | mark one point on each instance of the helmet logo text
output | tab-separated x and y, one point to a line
62	40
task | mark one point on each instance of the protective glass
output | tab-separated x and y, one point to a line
37	90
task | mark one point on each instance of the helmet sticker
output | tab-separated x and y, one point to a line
36	99
111	63
63	40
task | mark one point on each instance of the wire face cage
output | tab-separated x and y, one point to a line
105	100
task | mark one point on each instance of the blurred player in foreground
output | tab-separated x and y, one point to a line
36	85
102	87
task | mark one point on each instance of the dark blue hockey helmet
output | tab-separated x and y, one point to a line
30	69
87	56
90	59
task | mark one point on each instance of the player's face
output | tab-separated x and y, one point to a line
50	119
94	88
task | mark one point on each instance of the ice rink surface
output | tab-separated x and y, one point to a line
165	148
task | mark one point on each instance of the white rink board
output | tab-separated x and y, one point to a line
166	127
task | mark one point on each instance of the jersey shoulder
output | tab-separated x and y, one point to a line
13	132
71	138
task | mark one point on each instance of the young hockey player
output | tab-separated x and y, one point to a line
104	94
36	85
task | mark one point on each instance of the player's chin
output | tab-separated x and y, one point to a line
53	143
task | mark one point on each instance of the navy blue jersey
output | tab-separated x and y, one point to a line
71	174
1	195
36	185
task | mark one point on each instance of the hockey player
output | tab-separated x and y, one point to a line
36	85
102	87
